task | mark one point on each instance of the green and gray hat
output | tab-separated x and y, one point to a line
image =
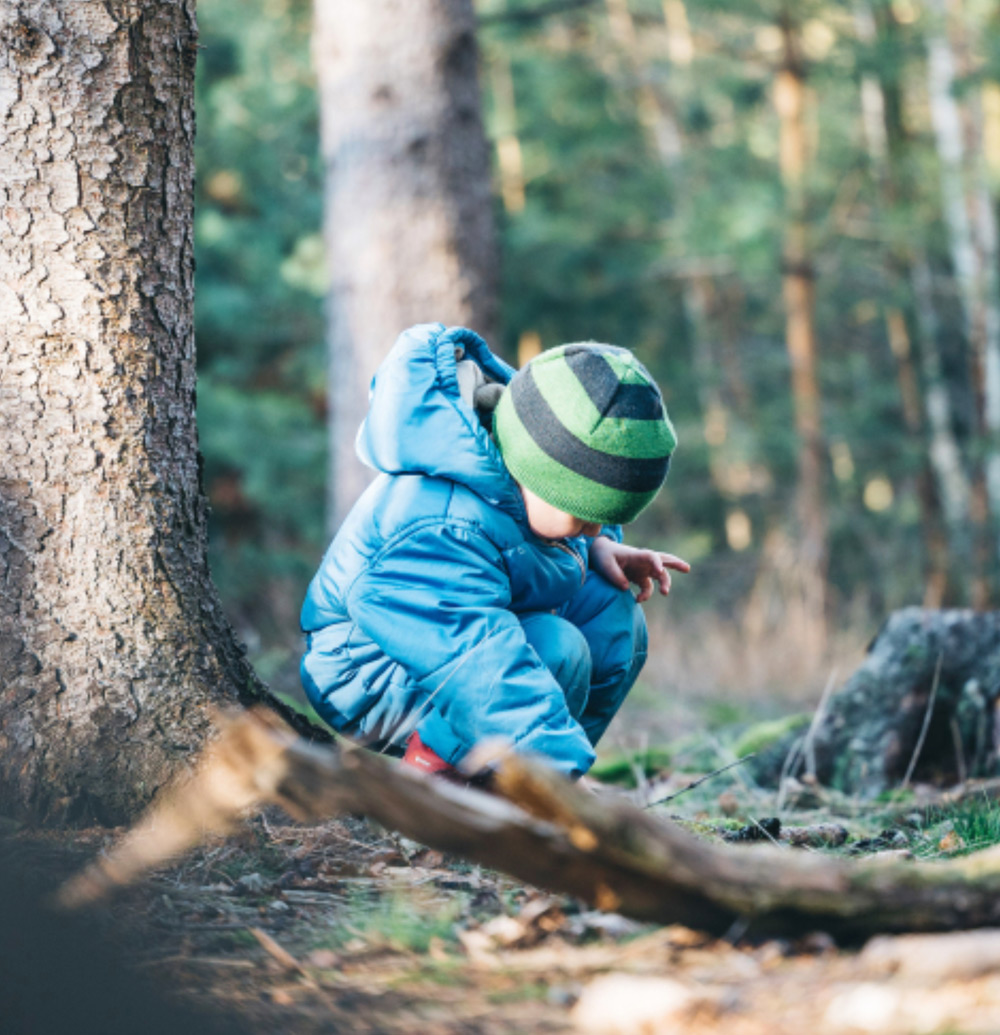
584	428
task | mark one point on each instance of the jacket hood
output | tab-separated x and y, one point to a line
418	423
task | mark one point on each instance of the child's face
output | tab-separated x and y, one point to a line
549	522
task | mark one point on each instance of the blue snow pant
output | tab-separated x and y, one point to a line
594	646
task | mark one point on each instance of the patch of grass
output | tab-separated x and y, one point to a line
897	797
531	991
694	753
406	921
446	973
723	715
976	823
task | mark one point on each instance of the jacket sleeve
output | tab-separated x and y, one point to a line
435	600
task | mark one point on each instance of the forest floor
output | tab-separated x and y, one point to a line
345	927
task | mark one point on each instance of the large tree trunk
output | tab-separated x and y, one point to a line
112	640
408	212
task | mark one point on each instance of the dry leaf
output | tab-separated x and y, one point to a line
729	803
951	842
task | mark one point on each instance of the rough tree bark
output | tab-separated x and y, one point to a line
112	640
408	213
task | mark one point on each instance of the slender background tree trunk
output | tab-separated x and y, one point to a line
798	281
972	230
408	211
887	146
658	110
112	640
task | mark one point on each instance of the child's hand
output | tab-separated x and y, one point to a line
621	564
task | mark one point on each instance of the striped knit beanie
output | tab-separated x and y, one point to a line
584	428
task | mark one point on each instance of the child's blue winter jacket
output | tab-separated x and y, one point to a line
412	619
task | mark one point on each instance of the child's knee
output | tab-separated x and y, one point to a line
619	642
564	651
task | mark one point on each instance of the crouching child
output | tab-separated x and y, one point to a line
479	588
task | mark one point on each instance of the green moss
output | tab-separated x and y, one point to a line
763	735
621	769
303	708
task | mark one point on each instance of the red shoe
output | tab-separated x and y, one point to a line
420	756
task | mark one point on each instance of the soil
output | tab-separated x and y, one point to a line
343	927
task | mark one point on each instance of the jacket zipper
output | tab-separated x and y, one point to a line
576	557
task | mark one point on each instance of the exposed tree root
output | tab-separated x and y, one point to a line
546	831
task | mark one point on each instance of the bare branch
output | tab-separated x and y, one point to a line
542	829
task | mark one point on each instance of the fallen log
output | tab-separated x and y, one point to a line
546	831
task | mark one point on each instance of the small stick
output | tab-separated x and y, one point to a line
956	736
923	729
804	747
809	744
701	779
284	958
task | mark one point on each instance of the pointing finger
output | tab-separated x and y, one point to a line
676	563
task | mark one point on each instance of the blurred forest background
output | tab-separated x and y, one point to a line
788	210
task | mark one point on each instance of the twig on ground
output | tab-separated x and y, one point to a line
283	957
926	725
696	783
787	768
956	736
196	961
804	746
639	771
808	746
